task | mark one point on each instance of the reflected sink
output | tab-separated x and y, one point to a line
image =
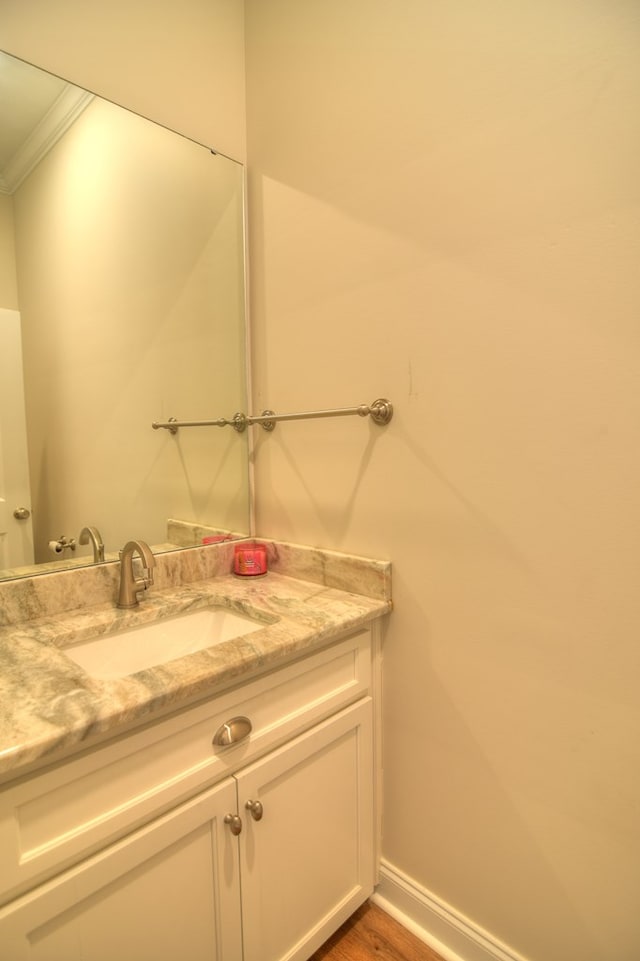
137	648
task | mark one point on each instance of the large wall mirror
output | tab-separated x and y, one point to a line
122	302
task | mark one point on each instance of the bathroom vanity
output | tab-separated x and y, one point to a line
222	805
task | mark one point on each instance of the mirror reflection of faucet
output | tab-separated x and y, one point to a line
130	585
93	534
62	544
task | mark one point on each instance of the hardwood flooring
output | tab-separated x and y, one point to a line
372	935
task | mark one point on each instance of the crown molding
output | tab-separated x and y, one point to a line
65	110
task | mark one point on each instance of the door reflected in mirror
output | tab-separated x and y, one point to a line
122	302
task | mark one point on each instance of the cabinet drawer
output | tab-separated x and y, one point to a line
52	819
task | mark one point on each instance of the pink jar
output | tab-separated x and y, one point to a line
250	559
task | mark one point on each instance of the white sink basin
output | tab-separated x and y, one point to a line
116	655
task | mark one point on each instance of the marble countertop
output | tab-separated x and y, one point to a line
50	707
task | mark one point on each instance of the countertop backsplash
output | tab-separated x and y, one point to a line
24	599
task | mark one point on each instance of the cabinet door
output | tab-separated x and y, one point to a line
169	890
308	861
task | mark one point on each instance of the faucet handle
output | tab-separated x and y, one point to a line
148	561
130	585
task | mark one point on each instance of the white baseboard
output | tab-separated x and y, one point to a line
436	923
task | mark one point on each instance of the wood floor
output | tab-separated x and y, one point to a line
371	935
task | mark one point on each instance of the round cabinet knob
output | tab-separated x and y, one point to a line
21	514
255	809
235	823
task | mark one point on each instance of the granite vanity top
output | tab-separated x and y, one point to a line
50	706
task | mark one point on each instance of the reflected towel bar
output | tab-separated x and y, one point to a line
380	411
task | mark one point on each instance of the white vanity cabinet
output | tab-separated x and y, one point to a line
307	864
161	845
169	890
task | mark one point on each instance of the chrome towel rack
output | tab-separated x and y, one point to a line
380	411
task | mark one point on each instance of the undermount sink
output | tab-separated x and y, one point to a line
137	648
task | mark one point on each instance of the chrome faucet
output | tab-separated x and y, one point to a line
93	534
130	585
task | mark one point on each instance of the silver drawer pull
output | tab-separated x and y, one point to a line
232	731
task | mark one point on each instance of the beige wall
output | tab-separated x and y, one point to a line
444	207
8	289
181	64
